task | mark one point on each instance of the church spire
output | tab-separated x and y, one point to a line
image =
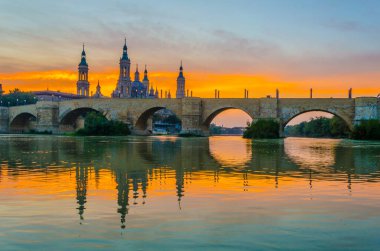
137	74
145	74
83	61
125	50
180	93
181	71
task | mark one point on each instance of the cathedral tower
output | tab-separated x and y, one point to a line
146	81
98	93
180	84
124	82
83	86
137	74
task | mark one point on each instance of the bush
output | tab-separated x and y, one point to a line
96	124
262	129
368	130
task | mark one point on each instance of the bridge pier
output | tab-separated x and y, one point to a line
4	119
47	117
191	117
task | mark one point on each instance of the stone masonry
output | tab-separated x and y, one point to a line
196	114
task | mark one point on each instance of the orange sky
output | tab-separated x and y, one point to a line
203	84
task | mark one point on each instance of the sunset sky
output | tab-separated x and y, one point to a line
229	45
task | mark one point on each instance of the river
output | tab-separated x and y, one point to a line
169	193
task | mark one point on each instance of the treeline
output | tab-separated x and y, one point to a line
17	97
221	130
320	127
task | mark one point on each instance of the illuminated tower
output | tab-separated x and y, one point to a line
137	74
83	86
180	84
146	81
124	82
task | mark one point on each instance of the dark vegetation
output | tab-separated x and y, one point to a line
320	127
262	129
367	130
17	97
95	124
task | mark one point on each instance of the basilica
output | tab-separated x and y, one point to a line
126	87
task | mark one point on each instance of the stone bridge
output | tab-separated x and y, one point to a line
196	114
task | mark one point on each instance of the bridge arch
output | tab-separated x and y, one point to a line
23	123
144	122
343	117
72	120
210	116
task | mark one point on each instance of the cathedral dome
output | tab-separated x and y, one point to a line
138	89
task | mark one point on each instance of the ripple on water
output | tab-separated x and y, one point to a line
160	192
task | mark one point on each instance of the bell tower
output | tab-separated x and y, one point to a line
146	81
124	82
180	84
83	86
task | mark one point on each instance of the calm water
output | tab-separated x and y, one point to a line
168	193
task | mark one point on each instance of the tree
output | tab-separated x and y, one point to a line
17	97
262	129
367	130
95	124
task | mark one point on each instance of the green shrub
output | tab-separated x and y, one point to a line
368	130
96	124
262	129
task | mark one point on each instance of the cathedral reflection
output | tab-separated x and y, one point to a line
122	187
137	163
81	178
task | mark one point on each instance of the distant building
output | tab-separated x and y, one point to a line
55	95
1	89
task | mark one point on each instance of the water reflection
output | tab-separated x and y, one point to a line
139	166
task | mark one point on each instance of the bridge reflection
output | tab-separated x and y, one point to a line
137	163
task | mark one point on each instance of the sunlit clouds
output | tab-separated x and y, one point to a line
329	46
